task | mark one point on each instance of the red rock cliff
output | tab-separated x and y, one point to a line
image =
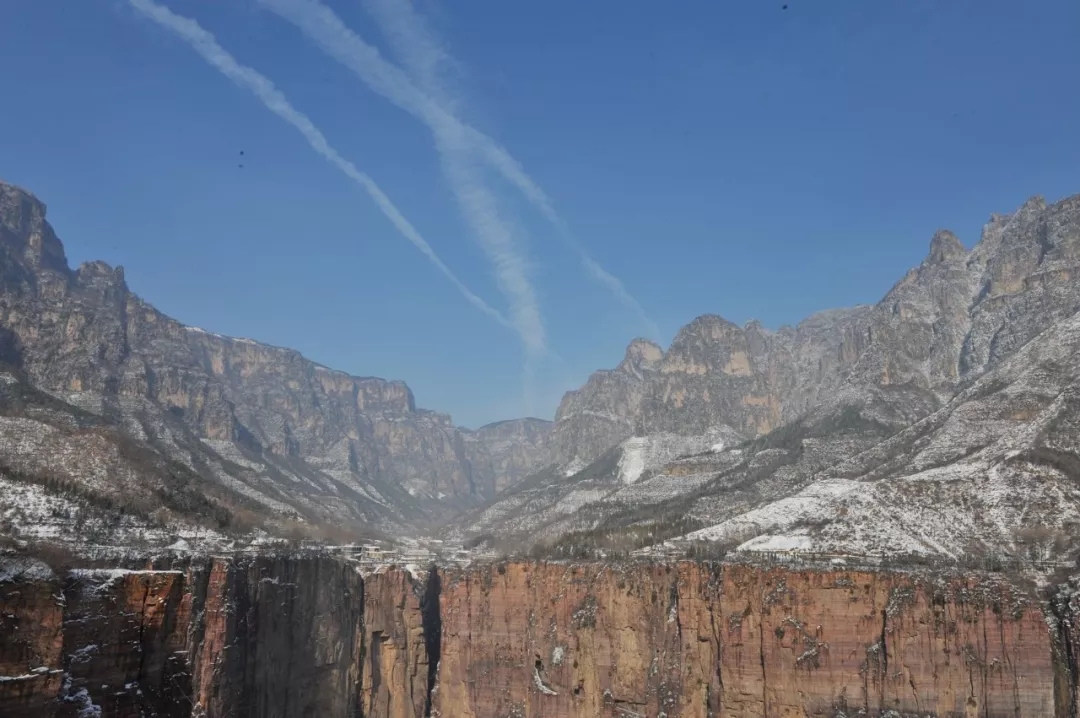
558	641
309	636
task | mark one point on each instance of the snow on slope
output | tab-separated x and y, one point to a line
30	512
644	453
965	478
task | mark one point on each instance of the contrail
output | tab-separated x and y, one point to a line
423	54
478	205
207	46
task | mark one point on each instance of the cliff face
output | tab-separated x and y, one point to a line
551	640
275	637
267	636
31	638
308	636
954	316
281	434
508	451
395	670
845	641
686	640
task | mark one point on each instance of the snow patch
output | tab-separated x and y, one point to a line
632	461
573	467
84	654
21	568
540	684
644	453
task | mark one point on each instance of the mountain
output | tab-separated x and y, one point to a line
509	450
105	394
940	361
855	431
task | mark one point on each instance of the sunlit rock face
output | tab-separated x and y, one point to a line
955	315
941	420
272	430
309	635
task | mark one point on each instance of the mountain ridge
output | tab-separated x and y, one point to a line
803	398
262	432
335	447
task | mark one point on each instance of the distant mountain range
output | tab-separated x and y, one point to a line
874	428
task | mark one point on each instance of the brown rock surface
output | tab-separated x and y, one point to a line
122	634
31	637
552	640
556	640
309	636
394	674
819	643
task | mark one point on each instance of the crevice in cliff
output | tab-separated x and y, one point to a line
375	656
431	621
884	648
984	664
764	671
1065	676
673	610
884	658
140	676
714	703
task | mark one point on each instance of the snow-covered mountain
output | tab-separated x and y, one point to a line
939	420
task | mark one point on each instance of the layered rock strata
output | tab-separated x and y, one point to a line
311	636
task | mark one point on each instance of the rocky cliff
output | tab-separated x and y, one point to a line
296	636
954	316
276	434
896	427
509	450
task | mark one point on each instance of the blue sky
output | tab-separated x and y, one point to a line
715	157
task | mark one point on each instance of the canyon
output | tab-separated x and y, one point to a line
311	635
893	427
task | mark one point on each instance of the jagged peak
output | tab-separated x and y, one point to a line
97	269
10	188
1035	203
755	326
642	354
711	327
945	246
23	227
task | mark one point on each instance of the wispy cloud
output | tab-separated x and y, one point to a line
423	93
204	43
497	235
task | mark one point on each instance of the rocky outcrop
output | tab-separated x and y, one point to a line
552	640
31	637
282	435
691	640
508	451
308	635
124	637
275	636
841	642
396	667
954	316
261	636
